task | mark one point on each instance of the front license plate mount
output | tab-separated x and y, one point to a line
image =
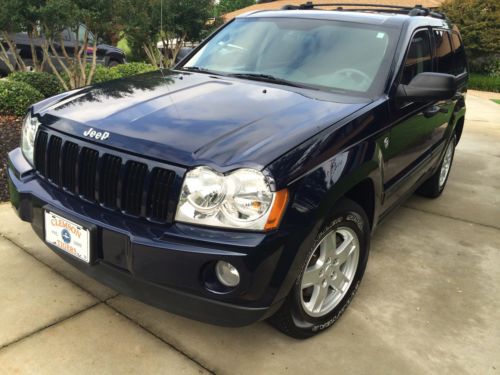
70	236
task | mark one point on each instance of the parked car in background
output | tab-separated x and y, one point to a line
107	55
245	183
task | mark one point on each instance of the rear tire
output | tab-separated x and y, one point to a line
113	63
330	275
434	186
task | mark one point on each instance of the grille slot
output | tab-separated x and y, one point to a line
133	186
104	178
41	152
157	207
88	170
110	172
53	159
69	162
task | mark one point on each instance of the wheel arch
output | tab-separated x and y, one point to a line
363	193
459	127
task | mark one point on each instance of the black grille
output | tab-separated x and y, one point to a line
103	178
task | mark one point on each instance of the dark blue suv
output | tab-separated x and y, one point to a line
246	182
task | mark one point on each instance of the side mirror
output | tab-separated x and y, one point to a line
427	87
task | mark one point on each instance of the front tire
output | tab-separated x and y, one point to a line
330	275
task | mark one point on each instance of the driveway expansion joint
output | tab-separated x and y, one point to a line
159	337
99	301
56	322
452	218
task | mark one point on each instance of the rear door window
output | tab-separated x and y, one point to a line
418	59
444	52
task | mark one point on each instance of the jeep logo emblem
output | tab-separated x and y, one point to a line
91	133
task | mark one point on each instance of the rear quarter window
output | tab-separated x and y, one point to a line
444	52
459	59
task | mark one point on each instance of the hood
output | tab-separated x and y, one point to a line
193	118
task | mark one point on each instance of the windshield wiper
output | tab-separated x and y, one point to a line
200	69
268	78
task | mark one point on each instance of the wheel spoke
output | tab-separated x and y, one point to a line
339	281
311	277
318	298
344	250
328	246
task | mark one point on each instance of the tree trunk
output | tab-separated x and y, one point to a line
150	53
63	65
45	49
5	58
13	49
94	62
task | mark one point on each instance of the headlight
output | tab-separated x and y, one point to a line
240	200
30	127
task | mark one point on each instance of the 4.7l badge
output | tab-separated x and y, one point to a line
91	133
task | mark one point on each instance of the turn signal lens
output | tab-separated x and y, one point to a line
279	206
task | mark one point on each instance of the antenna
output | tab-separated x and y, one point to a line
161	34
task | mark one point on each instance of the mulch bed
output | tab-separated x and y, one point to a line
10	137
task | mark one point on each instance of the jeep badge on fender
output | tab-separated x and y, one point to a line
245	183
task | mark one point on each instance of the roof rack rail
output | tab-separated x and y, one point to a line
417	10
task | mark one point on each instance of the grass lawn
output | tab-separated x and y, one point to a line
484	82
496	101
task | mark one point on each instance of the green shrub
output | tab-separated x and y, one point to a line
484	82
103	74
45	83
16	97
131	69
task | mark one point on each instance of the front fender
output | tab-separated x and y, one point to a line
314	196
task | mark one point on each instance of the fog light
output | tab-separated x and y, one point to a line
227	274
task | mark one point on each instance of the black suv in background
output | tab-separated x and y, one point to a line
106	55
245	183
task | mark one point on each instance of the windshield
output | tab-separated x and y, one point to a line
325	54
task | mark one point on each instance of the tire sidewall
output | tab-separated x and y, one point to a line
357	221
453	141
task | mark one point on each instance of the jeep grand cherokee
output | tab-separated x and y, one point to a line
245	183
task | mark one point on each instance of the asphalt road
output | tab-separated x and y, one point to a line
429	302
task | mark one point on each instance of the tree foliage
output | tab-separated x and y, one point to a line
183	20
479	24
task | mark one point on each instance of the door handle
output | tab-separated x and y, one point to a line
434	110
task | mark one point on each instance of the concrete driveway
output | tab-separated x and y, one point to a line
429	303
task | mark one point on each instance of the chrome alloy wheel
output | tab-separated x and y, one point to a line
329	272
446	165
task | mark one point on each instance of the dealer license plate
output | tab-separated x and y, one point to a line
67	236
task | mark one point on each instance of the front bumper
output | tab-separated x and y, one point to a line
165	266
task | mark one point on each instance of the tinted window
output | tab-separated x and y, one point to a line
444	52
460	65
418	59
